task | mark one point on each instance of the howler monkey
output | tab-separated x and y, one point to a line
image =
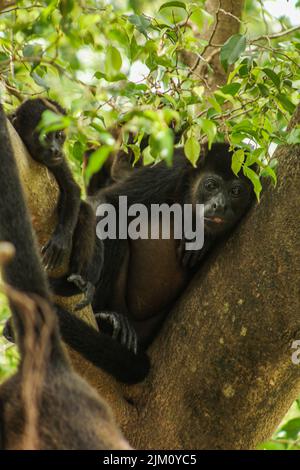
37	403
25	273
74	233
141	278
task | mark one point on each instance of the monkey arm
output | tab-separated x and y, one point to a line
69	203
60	243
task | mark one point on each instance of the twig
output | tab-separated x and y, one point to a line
230	14
285	32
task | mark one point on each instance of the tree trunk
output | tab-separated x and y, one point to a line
224	377
226	22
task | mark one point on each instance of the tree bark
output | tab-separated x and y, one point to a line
226	22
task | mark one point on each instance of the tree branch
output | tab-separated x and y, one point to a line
281	34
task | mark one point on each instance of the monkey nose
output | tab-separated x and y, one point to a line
219	208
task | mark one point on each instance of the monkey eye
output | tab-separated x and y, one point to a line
60	135
236	191
211	184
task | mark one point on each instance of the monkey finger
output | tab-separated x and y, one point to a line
78	280
52	263
132	338
129	337
47	256
89	291
59	258
113	319
45	247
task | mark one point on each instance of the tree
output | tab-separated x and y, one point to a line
227	383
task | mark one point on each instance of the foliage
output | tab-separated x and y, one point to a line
287	436
8	353
111	66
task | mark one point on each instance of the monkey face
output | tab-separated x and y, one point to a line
225	200
52	148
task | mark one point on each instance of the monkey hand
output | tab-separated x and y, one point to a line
86	287
189	259
121	329
55	250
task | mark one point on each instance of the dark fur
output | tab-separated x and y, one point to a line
133	268
75	230
180	183
25	273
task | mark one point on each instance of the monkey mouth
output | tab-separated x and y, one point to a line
215	220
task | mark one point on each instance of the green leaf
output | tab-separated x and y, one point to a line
212	100
78	150
3	56
100	75
222	97
210	129
162	145
264	91
96	161
141	23
66	6
192	150
231	89
232	50
273	76
51	121
173	4
113	61
286	103
254	178
238	158
293	137
271	445
200	17
32	50
136	152
120	36
39	81
147	157
292	428
134	49
268	171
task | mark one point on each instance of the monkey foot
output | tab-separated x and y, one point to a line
54	252
122	330
86	287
